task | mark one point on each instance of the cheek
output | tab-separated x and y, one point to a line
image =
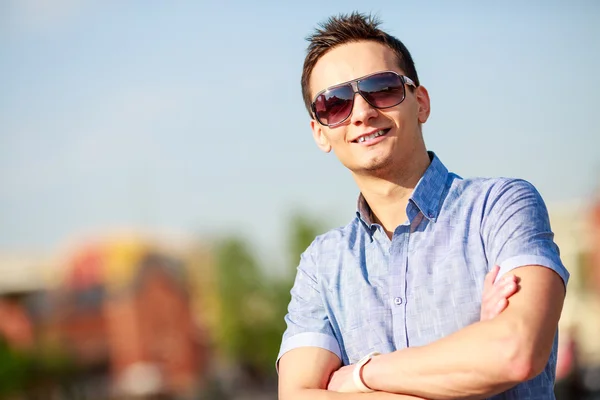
336	137
396	118
406	115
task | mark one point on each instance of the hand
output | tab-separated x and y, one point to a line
342	381
495	296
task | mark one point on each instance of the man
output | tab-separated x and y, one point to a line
390	304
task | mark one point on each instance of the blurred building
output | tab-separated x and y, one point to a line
577	232
23	276
125	310
121	312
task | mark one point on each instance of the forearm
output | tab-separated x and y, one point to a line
476	362
322	394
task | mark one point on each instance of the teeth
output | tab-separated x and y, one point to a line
371	136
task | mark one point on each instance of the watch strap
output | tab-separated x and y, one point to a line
356	374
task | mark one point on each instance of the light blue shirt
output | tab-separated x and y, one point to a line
357	291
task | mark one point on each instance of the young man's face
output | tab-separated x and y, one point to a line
401	123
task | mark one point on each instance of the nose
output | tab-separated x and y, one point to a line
362	110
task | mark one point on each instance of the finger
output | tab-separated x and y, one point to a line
494	291
488	284
496	300
497	309
490	277
488	307
489	312
502	290
508	278
500	306
508	289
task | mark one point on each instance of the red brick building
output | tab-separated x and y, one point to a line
129	322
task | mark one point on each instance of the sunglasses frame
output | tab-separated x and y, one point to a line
354	84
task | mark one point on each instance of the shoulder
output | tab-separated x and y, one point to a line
328	249
514	196
335	239
488	194
492	192
492	186
501	187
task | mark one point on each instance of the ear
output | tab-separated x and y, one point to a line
423	103
319	136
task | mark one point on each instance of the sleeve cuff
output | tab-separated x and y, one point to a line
520	261
309	339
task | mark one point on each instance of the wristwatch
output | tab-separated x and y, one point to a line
358	382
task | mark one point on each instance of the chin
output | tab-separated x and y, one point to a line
374	167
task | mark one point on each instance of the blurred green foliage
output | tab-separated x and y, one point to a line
32	372
15	367
254	302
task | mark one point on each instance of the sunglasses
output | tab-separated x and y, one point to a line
333	105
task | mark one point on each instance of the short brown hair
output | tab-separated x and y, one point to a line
347	28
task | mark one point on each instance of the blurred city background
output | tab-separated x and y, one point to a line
158	178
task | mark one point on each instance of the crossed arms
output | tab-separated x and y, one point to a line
476	362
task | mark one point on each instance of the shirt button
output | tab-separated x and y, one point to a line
398	301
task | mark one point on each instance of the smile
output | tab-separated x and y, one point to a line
374	135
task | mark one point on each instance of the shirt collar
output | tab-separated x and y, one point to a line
427	195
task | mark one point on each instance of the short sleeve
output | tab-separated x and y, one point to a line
516	229
306	320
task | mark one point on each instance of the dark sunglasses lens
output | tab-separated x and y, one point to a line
382	90
334	105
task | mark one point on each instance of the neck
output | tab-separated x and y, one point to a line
388	195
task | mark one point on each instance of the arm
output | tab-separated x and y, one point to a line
304	373
485	358
494	301
491	356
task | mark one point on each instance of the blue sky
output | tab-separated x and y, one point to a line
188	117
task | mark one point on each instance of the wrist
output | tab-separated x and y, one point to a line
358	373
368	374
